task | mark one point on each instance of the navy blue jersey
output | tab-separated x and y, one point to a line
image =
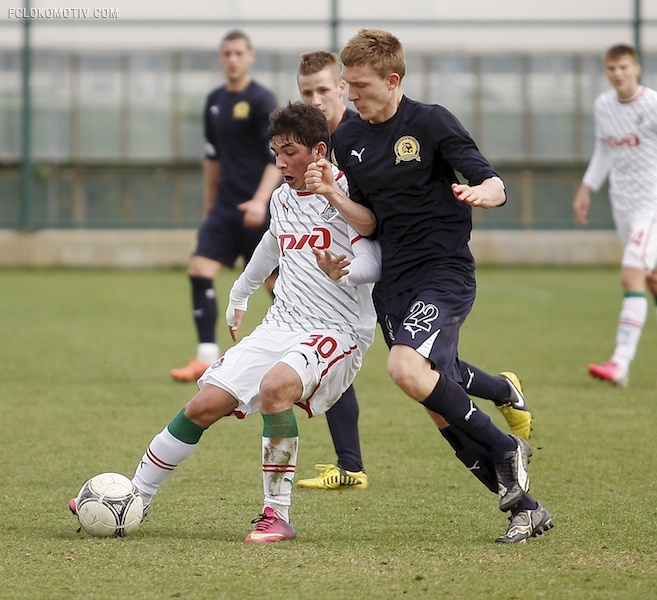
236	135
402	169
348	114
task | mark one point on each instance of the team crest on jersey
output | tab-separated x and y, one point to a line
329	212
407	148
241	110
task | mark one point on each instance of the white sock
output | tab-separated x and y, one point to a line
207	352
162	456
634	311
279	463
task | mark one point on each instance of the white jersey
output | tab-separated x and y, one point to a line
626	151
305	298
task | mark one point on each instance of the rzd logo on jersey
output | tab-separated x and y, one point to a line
320	239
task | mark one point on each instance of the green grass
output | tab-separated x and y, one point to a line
84	357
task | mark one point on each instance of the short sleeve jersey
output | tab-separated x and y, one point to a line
236	135
402	169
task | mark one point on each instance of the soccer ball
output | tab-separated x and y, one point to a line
109	505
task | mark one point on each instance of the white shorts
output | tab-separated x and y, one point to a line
639	236
326	361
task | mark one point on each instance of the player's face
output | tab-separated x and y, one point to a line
293	158
321	90
623	74
375	98
236	59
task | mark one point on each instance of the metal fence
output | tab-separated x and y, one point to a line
117	136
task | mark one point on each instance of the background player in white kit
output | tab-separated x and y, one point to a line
311	342
626	152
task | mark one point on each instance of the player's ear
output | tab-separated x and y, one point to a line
393	81
319	150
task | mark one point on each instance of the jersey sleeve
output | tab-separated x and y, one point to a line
457	148
263	262
266	105
210	151
599	166
366	264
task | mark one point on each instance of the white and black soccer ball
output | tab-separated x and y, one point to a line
108	505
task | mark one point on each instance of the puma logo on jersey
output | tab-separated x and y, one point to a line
358	155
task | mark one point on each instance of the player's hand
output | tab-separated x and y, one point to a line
483	195
255	213
334	266
234	319
319	177
581	206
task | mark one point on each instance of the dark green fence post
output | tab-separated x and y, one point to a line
26	124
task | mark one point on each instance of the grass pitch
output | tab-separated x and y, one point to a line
84	357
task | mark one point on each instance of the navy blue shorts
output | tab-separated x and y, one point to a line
429	319
223	238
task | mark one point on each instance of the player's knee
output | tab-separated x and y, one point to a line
209	405
401	370
280	388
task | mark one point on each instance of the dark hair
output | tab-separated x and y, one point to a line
301	122
236	34
620	50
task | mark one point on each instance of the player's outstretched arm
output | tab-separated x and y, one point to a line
263	262
489	193
255	210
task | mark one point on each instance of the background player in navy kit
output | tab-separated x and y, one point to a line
320	84
239	176
400	159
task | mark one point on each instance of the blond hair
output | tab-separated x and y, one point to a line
314	62
377	48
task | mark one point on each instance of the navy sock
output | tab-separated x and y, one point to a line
474	456
450	400
204	302
342	419
484	385
526	503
